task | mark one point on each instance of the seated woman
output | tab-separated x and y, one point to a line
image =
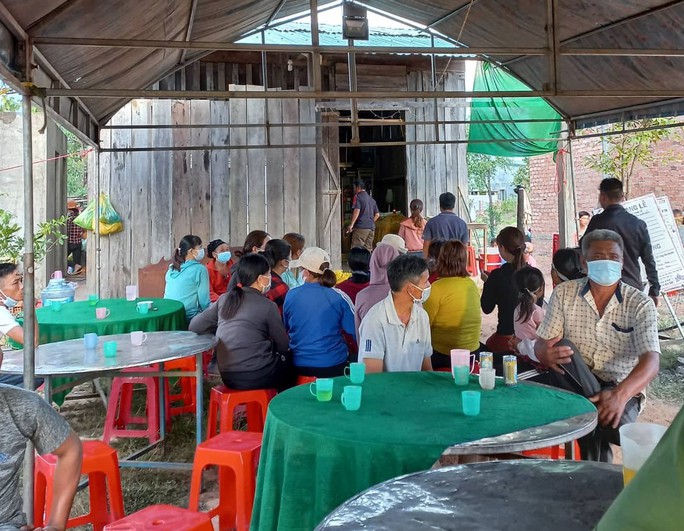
453	306
315	315
434	249
411	229
292	276
187	280
358	260
253	344
255	242
278	254
218	267
566	265
500	289
379	287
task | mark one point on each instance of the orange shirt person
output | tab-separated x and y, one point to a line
218	266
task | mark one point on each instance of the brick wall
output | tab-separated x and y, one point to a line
661	179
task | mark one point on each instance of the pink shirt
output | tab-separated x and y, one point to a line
413	236
528	329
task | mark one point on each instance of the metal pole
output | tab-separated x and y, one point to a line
520	190
98	249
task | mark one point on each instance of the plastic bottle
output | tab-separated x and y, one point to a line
58	290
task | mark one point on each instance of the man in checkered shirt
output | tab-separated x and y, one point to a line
600	338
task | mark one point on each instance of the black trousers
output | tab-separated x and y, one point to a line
280	376
75	250
579	379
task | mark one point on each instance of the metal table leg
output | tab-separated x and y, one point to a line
199	375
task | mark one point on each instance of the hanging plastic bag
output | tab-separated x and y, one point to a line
85	218
110	221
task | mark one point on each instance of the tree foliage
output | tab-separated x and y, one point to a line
482	170
522	175
623	152
48	235
77	168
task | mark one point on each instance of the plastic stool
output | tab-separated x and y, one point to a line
184	401
236	453
163	517
553	452
223	402
101	465
471	266
301	380
119	408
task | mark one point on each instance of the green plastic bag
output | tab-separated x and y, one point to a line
110	221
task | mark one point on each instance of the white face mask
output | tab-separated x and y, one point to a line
267	286
9	302
425	294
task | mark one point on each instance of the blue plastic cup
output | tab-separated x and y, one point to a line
471	403
322	389
356	372
109	349
90	341
56	306
351	397
461	374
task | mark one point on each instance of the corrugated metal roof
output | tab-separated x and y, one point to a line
587	24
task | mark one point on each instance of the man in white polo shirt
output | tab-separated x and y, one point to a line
395	333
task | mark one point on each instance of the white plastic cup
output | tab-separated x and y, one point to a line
487	379
638	440
131	292
138	338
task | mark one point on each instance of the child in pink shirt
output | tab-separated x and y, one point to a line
528	315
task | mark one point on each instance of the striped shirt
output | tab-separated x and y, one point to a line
611	344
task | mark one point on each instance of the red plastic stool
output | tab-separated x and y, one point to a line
163	517
301	380
184	401
553	452
223	402
119	408
471	266
101	465
236	453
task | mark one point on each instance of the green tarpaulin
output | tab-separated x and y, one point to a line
527	138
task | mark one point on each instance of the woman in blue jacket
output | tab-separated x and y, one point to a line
187	280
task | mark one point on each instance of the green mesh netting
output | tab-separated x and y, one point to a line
527	138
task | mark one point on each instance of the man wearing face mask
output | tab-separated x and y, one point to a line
600	339
395	334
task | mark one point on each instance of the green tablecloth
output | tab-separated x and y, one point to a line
78	318
317	455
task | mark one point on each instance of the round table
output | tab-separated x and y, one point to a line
506	495
316	455
78	318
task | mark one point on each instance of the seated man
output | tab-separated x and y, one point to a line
25	416
11	293
600	338
395	333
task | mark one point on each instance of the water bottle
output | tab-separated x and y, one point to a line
58	290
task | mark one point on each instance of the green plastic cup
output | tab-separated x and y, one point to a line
93	299
356	372
471	403
322	389
109	349
351	397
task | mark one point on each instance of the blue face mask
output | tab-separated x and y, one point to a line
9	302
604	272
223	257
200	255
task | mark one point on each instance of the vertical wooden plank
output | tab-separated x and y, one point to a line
307	182
256	164
161	184
141	220
333	233
199	174
291	196
221	76
410	118
275	173
220	172
239	197
180	191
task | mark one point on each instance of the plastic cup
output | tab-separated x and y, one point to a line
102	313
90	341
471	403
109	349
93	299
356	372
638	441
461	374
138	338
131	292
322	389
142	308
351	397
56	306
487	379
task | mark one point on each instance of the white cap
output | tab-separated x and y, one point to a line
395	241
311	259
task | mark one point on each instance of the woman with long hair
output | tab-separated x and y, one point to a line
500	289
453	306
219	265
253	344
277	252
297	242
528	314
315	315
187	280
411	229
255	242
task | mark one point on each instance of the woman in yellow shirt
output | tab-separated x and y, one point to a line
453	306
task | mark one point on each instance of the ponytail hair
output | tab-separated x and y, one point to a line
513	240
254	239
247	270
328	279
186	244
277	250
416	208
567	262
529	281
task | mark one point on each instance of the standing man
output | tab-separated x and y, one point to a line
75	240
364	215
634	234
446	225
599	337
